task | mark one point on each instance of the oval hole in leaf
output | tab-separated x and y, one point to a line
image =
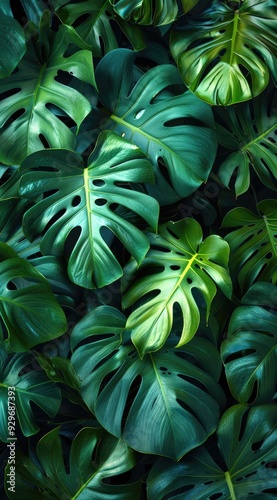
98	182
76	201
100	202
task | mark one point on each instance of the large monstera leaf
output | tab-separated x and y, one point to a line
177	264
29	387
254	245
83	199
249	131
28	308
225	55
175	131
156	12
97	27
250	351
27	124
10	53
247	441
81	476
166	404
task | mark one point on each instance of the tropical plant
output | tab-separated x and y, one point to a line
138	231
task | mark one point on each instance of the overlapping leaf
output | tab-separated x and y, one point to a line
225	54
87	478
254	245
250	351
175	131
83	199
247	441
28	308
10	53
172	397
249	131
96	28
31	387
25	120
156	12
177	264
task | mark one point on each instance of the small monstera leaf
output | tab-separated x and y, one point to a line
175	131
166	404
28	308
26	121
83	199
177	264
97	27
12	43
249	131
254	245
156	12
225	54
86	478
247	440
250	351
29	388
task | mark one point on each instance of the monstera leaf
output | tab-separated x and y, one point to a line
247	440
29	388
225	55
249	131
83	199
27	124
28	308
32	8
10	53
175	131
177	264
166	404
157	12
254	245
86	478
250	351
12	205
96	27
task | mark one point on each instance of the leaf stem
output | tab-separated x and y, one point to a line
230	485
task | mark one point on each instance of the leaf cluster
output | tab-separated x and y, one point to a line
138	249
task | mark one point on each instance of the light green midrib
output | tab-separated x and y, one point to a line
270	235
230	486
234	37
35	95
88	205
257	139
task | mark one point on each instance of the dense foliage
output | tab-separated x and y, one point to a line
138	249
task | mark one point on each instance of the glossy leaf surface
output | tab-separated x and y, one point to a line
156	12
174	396
29	388
81	477
10	53
83	199
226	53
249	131
250	351
247	440
254	245
178	262
174	130
28	308
97	26
25	120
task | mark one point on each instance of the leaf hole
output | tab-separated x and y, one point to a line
98	183
44	141
9	93
215	496
76	201
132	394
160	248
208	482
184	121
15	116
11	285
174	267
222	52
255	128
189	281
256	446
54	219
271	139
243	424
194	382
237	355
268	255
71	240
100	202
46	194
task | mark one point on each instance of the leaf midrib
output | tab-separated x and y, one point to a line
258	138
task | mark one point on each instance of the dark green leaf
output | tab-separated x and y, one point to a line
166	404
254	245
249	451
29	386
83	477
250	350
83	198
175	131
13	51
